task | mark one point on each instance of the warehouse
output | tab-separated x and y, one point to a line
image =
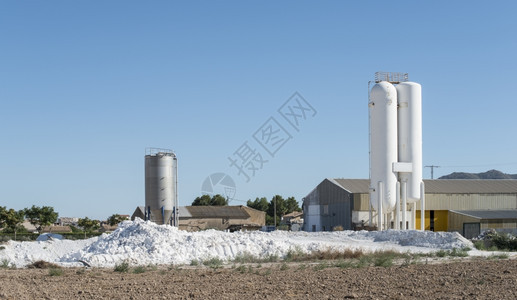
470	223
345	203
196	218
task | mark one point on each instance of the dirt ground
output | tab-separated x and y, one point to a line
464	279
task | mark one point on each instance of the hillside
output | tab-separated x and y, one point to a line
491	174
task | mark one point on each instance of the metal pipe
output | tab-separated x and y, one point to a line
379	207
422	206
397	208
370	214
176	201
403	191
413	215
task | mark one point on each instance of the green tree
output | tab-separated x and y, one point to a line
259	204
206	200
41	216
11	219
292	205
281	210
88	225
202	201
218	200
115	219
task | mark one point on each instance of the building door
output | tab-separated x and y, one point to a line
431	220
471	230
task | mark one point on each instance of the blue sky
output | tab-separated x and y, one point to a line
86	86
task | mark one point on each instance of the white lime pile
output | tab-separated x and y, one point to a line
141	243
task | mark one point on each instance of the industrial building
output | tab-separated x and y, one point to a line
346	203
233	218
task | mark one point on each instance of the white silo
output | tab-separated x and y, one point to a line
409	96
383	145
395	108
161	203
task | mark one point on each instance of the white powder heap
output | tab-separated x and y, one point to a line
141	243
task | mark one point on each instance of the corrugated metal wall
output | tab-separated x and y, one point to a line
469	201
456	221
454	201
440	220
336	206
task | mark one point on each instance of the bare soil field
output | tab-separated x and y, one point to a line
453	279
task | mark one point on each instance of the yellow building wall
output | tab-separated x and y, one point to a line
440	220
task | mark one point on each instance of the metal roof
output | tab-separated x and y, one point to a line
489	214
443	186
183	212
355	186
234	212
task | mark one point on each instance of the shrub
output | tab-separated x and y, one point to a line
384	259
213	263
245	257
271	258
55	271
41	264
321	266
344	264
4	264
122	267
480	245
139	270
440	253
458	253
295	254
194	262
499	256
241	269
505	241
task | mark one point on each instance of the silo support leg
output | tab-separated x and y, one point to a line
422	206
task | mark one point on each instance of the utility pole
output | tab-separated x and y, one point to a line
274	214
432	170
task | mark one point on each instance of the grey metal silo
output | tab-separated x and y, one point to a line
161	186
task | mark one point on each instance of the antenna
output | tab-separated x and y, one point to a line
432	170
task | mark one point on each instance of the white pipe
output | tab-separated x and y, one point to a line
413	215
397	208
379	207
403	190
422	206
369	214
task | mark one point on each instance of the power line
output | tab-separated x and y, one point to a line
432	170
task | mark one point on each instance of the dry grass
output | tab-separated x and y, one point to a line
41	264
298	255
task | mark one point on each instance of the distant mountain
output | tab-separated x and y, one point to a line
492	174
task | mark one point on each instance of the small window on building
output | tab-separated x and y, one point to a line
313	228
325	210
323	228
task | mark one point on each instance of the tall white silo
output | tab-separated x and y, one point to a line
409	96
161	203
383	145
